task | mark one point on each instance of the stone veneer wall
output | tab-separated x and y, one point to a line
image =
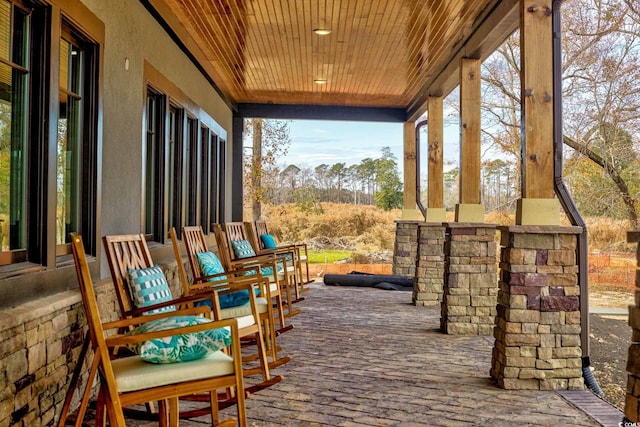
39	347
537	333
471	282
429	277
632	401
405	248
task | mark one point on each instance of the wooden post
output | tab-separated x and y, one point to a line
435	203
470	208
410	205
538	205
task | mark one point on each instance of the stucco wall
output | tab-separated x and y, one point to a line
132	33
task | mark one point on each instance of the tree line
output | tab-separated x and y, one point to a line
370	182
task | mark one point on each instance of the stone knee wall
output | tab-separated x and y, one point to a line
405	248
429	277
537	333
471	282
40	343
632	402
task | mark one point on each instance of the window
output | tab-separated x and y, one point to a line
154	167
205	150
184	174
175	168
222	169
192	171
36	208
14	130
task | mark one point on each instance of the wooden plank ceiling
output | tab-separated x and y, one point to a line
380	53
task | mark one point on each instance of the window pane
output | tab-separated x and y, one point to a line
69	143
204	179
20	54
13	140
192	171
150	178
175	169
155	168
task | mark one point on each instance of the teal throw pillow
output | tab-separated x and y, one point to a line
268	241
242	248
149	286
209	265
179	348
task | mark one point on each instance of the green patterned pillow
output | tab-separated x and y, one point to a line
149	286
179	348
242	248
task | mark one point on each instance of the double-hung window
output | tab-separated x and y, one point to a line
15	76
76	139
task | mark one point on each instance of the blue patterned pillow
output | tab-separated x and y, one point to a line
268	241
209	265
149	286
179	348
242	248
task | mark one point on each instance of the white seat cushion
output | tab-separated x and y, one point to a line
133	373
303	258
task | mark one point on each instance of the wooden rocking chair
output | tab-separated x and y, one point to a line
125	252
130	380
275	266
195	243
262	236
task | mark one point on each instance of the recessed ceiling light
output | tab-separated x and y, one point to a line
322	31
320	81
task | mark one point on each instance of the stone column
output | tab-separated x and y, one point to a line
429	279
405	249
632	403
537	334
471	282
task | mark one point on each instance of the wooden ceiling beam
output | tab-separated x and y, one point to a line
501	19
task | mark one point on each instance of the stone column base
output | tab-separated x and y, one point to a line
471	282
537	334
429	280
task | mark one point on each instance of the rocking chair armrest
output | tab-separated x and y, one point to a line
186	301
119	340
140	319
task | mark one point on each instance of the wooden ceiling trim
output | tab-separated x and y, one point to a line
166	17
498	20
433	35
381	52
265	72
207	37
384	83
373	72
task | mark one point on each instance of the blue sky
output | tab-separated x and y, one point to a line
314	142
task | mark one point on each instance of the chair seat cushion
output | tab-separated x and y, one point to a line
179	348
133	373
149	286
244	310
